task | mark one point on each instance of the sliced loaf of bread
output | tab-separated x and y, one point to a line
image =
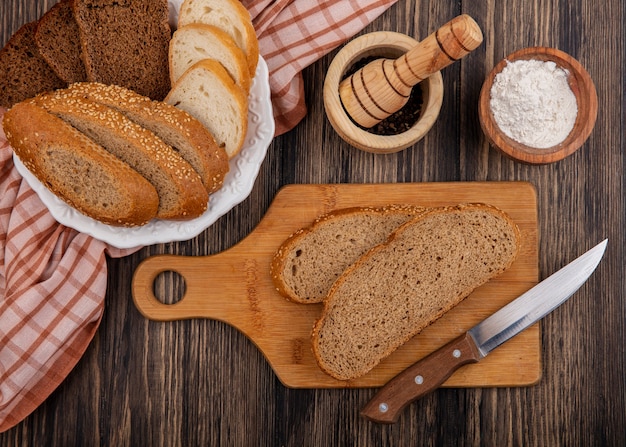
228	15
208	93
427	267
307	264
194	42
24	73
174	126
77	170
180	189
58	39
125	42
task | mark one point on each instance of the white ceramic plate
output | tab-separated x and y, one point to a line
244	168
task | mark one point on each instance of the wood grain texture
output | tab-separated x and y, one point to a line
235	286
202	382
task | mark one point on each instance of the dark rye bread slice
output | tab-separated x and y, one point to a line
181	193
126	42
307	264
77	170
427	267
24	73
58	40
174	126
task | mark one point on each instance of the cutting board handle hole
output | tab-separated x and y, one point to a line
169	287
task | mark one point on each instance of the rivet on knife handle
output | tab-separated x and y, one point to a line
420	379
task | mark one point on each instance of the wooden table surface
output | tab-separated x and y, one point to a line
201	382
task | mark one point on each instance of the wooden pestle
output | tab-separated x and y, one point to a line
383	86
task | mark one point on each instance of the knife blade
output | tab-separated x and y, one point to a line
427	374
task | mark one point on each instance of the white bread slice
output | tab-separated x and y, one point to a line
174	126
393	292
307	264
210	95
194	42
181	193
228	15
77	170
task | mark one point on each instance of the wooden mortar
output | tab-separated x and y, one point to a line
383	86
583	88
379	44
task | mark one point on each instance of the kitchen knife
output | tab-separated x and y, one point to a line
430	372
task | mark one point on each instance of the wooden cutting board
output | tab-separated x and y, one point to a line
234	286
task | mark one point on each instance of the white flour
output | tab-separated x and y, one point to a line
533	104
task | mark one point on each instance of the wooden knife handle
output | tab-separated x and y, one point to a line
420	379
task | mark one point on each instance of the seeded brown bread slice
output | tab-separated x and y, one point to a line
210	95
228	15
125	42
307	264
24	73
180	189
427	267
58	39
77	170
174	126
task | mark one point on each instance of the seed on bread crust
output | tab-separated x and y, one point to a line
78	170
174	126
181	193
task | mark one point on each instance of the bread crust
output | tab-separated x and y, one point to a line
284	257
173	125
232	17
184	96
387	340
125	42
174	179
24	73
216	44
36	135
58	39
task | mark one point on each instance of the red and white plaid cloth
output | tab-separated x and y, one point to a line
53	279
295	33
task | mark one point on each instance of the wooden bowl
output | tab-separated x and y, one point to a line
586	97
380	44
